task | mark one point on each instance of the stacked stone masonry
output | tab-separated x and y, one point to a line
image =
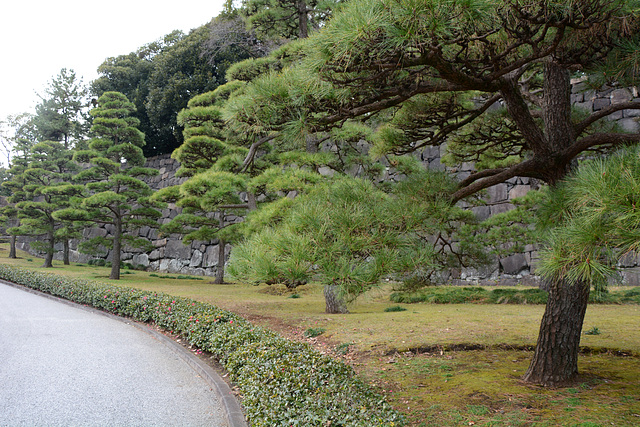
200	258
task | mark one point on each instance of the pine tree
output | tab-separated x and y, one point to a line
15	186
491	79
60	115
118	196
46	189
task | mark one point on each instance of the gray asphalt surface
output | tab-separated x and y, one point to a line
62	365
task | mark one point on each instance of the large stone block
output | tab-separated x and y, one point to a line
468	166
628	260
156	254
519	191
141	259
144	231
481	212
489	271
210	257
196	259
326	171
159	243
616	115
631	113
530	280
514	264
618	96
176	249
501	208
600	103
95	232
194	271
174	266
629	125
587	105
435	164
497	193
630	276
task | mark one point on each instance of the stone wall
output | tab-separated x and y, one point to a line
200	258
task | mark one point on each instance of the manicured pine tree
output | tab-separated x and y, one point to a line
213	189
15	186
215	158
118	197
46	190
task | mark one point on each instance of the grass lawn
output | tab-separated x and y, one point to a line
420	358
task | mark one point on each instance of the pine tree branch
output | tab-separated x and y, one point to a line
600	139
248	161
490	177
583	125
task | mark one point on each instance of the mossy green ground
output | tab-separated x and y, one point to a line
440	387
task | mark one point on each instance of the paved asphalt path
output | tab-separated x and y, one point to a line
63	365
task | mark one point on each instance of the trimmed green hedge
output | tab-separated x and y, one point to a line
471	294
283	383
479	295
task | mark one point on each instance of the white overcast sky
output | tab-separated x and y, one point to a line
40	37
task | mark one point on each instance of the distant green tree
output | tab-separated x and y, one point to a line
4	176
14	127
47	189
118	196
230	41
180	72
60	113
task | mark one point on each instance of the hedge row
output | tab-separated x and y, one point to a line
471	294
283	383
480	295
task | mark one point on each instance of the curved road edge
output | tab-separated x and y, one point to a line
230	405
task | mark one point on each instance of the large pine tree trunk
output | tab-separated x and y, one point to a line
555	361
117	250
303	20
48	257
65	252
220	268
334	304
221	244
12	248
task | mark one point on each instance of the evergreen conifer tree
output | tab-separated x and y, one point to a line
118	196
46	189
